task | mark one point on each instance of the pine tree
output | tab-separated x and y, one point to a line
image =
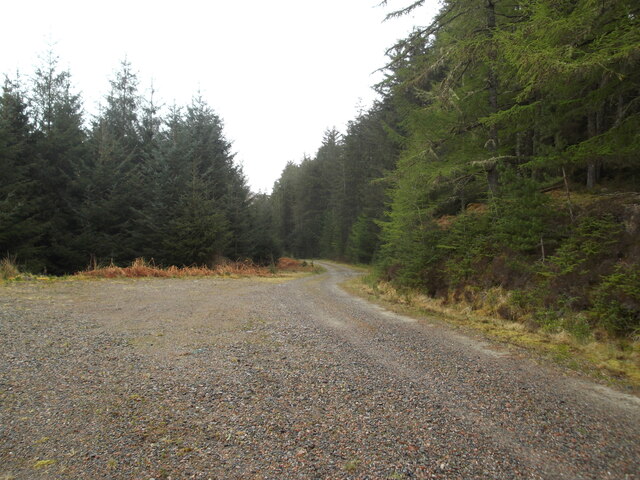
111	176
284	199
265	245
20	231
60	150
198	232
148	222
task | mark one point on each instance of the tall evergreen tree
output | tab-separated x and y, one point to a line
20	230
60	150
112	175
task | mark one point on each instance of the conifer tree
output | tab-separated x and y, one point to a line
60	150
111	177
20	231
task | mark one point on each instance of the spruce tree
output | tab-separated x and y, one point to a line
20	230
111	176
60	151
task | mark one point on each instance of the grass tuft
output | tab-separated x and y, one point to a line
43	463
8	268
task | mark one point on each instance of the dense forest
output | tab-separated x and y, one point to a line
131	184
501	162
501	155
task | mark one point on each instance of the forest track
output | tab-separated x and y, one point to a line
263	378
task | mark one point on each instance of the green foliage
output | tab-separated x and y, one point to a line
363	240
466	244
60	150
134	184
20	229
616	301
578	325
592	237
199	233
500	104
553	318
521	213
266	249
576	62
328	205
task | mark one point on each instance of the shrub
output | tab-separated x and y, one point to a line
465	244
521	213
593	237
616	301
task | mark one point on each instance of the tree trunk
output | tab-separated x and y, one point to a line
591	175
492	85
566	187
620	110
592	167
595	126
492	179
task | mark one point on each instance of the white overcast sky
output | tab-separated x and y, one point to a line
277	72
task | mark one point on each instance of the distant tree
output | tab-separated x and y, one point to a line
198	166
283	198
317	203
148	222
266	248
332	173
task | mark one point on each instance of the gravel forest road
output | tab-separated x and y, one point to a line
272	379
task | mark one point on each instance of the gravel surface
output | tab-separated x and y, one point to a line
267	379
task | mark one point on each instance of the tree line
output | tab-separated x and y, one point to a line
128	183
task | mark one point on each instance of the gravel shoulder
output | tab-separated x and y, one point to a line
269	379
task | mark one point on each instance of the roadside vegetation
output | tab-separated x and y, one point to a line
141	268
8	269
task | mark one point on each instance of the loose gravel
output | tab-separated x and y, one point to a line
263	379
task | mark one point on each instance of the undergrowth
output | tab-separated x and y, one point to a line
143	268
140	268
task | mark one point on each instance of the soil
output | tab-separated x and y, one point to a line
215	378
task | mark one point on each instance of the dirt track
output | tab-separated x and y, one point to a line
212	378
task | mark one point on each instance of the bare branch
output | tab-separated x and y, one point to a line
403	11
